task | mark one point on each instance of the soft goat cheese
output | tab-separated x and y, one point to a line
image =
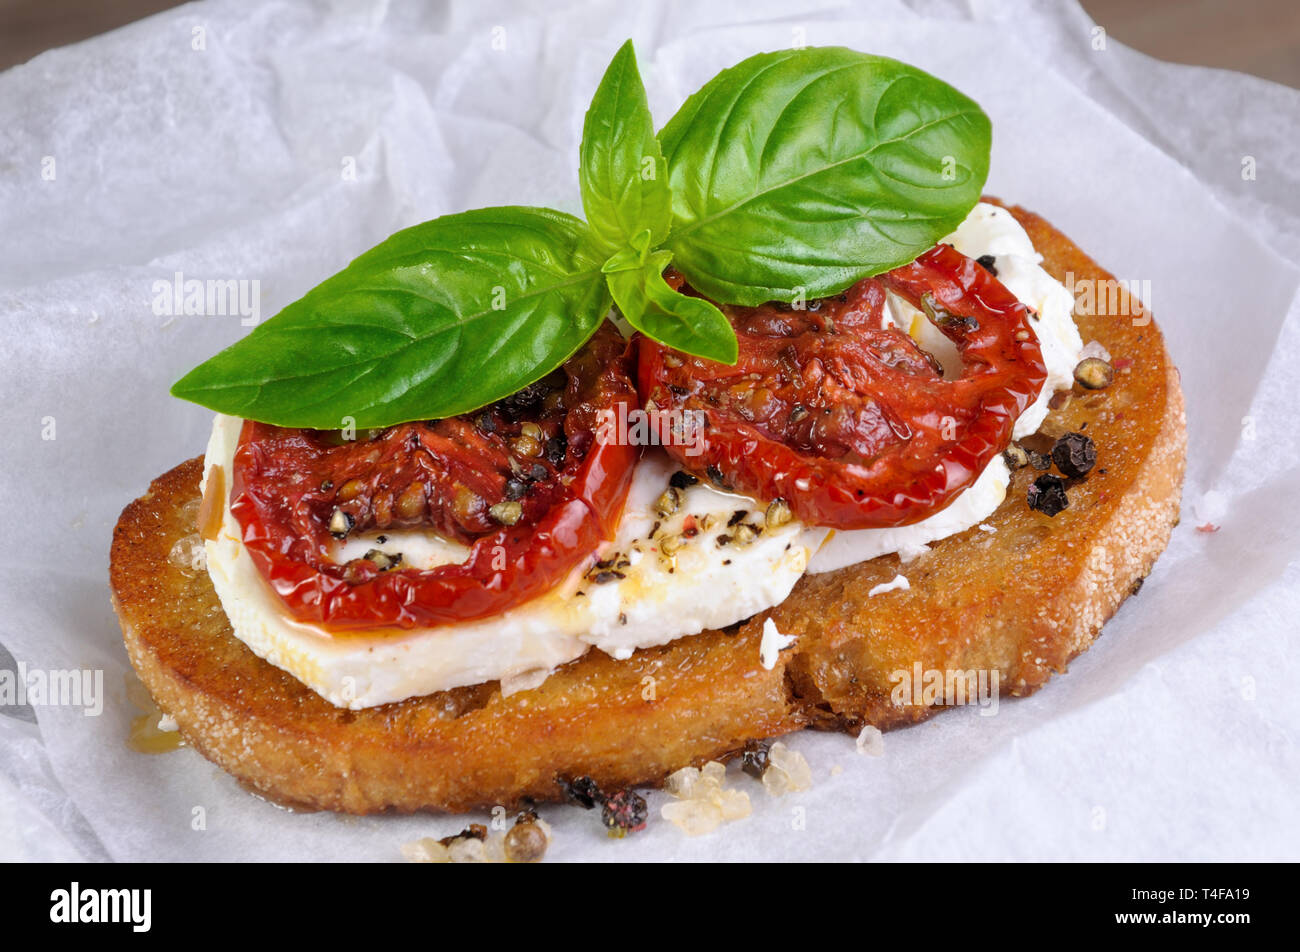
659	598
987	230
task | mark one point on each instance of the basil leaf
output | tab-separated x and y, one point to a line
689	324
802	171
440	319
621	169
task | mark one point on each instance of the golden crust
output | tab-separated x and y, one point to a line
1023	600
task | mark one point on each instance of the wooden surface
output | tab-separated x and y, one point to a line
1254	36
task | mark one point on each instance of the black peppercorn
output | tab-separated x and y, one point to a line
1047	495
1074	454
986	262
556	448
583	791
754	758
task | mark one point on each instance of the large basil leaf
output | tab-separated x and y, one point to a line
802	171
621	169
440	319
688	324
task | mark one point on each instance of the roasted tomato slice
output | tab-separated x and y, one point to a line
840	413
531	484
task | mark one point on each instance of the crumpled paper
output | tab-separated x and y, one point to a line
274	143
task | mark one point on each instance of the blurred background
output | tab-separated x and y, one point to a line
1261	37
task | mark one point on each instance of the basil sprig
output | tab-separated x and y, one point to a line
791	175
621	169
629	207
440	319
801	172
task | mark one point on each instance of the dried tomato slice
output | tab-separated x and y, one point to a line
530	483
841	414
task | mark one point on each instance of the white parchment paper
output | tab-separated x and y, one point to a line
219	140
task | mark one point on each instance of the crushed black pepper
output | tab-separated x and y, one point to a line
987	263
556	449
682	479
583	791
1047	495
475	831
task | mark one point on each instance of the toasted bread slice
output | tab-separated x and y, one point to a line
1022	600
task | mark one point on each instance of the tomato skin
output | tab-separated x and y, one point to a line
504	568
884	458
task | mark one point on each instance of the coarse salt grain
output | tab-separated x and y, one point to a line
871	742
189	555
1094	349
693	817
426	850
703	801
787	771
468	849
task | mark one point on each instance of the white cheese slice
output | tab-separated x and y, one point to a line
658	599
